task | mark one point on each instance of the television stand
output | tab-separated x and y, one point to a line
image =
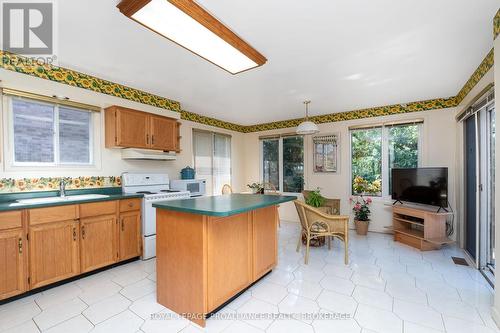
420	228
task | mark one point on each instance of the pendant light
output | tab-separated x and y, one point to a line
307	127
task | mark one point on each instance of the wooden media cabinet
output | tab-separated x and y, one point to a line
419	228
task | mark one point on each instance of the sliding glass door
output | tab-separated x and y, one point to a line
479	133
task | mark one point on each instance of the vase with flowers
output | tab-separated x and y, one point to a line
361	209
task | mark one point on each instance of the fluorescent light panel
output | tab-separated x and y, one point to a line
174	24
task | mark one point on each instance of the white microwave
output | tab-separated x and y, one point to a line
197	187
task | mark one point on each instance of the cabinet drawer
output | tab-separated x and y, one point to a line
53	214
11	220
98	208
128	205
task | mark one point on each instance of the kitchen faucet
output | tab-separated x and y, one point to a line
62	188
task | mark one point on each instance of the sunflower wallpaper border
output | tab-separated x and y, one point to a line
496	25
12	185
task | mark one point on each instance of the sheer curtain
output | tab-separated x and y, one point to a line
212	159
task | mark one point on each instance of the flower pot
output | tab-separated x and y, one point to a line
361	227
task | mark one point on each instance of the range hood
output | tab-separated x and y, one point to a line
147	154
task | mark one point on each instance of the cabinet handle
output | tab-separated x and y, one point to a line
147	138
123	226
152	139
83	232
20	245
130	204
74	234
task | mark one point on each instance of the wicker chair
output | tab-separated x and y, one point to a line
316	223
332	205
227	189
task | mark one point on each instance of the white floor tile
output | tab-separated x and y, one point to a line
258	307
418	314
304	288
241	327
308	274
163	324
78	324
12	315
338	303
59	313
463	326
240	300
146	306
130	277
293	304
26	327
369	281
336	284
58	295
414	328
97	292
107	308
269	292
289	326
406	293
455	308
125	322
138	289
378	320
339	325
281	277
341	271
376	298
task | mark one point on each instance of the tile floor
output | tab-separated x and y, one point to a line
387	287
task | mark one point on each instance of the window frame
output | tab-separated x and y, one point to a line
9	146
280	160
385	195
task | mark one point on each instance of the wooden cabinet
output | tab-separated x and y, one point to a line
128	128
54	252
130	235
164	133
227	275
265	246
98	243
13	277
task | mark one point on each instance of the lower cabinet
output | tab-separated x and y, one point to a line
98	243
13	277
130	235
265	246
54	252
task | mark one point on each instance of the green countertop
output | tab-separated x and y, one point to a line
8	200
223	205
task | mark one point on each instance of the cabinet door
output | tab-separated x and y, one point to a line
12	257
132	129
98	242
229	260
130	235
163	133
265	247
53	254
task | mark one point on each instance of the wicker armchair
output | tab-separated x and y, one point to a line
332	205
227	189
316	223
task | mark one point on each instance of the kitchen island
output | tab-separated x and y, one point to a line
210	249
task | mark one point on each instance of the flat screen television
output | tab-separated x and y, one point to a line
427	186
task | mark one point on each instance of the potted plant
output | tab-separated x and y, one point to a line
257	188
361	205
362	213
315	199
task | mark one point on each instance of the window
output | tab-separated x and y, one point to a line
212	159
283	163
377	150
49	134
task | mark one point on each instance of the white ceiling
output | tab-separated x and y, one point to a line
341	54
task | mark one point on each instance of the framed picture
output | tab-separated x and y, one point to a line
326	153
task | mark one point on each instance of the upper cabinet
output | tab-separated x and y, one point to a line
127	128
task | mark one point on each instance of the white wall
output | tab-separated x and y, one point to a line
109	160
439	149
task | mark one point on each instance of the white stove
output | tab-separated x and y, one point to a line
155	187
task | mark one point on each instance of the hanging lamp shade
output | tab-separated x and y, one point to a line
307	127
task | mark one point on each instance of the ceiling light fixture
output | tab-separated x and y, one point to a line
307	127
189	25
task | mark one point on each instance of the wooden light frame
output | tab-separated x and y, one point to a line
204	18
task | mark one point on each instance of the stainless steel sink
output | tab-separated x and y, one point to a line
37	201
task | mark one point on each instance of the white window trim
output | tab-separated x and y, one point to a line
280	161
385	196
8	143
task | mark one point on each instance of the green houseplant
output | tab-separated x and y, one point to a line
315	199
257	188
361	205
